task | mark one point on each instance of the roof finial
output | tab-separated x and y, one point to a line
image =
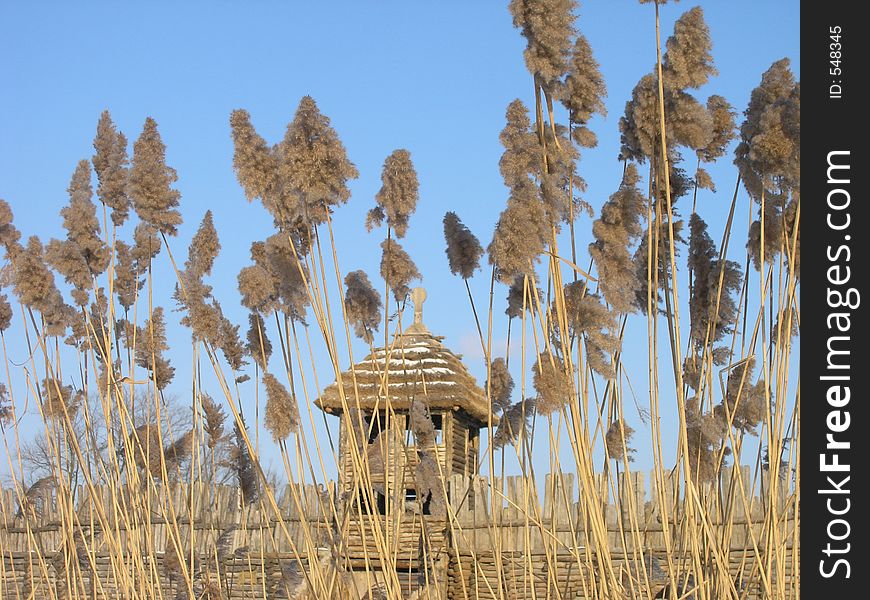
418	297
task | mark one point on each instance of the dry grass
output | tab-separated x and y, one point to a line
109	453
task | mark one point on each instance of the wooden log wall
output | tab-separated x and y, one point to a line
502	539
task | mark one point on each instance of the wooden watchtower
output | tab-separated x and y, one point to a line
378	456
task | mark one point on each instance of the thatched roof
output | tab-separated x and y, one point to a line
416	365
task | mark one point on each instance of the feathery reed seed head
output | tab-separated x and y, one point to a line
282	412
552	382
111	165
150	182
258	344
500	384
399	191
397	269
362	304
463	248
617	441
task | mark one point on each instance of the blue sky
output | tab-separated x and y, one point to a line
434	78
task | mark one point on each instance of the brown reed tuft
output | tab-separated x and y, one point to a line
149	454
179	450
246	471
766	153
687	123
36	497
561	176
362	304
254	162
705	434
515	296
34	285
641	259
768	156
231	345
288	280
552	382
520	235
500	384
7	414
617	440
723	128
399	191
587	316
81	223
692	371
127	282
314	163
522	149
710	307
150	346
58	398
150	182
619	228
548	26
515	419
5	313
9	234
111	165
203	314
204	248
687	62
258	344
282	412
745	401
214	418
65	258
584	91
257	288
146	247
375	218
397	269
463	248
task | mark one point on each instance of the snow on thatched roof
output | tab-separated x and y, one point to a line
415	366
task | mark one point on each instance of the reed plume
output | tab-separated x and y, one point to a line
548	26
214	418
254	162
616	231
584	91
5	313
617	439
711	307
552	382
313	163
397	269
246	471
150	183
111	165
150	346
282	412
399	191
589	317
362	305
768	156
7	413
258	344
500	384
514	421
744	400
463	248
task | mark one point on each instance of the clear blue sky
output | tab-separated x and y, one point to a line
434	78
